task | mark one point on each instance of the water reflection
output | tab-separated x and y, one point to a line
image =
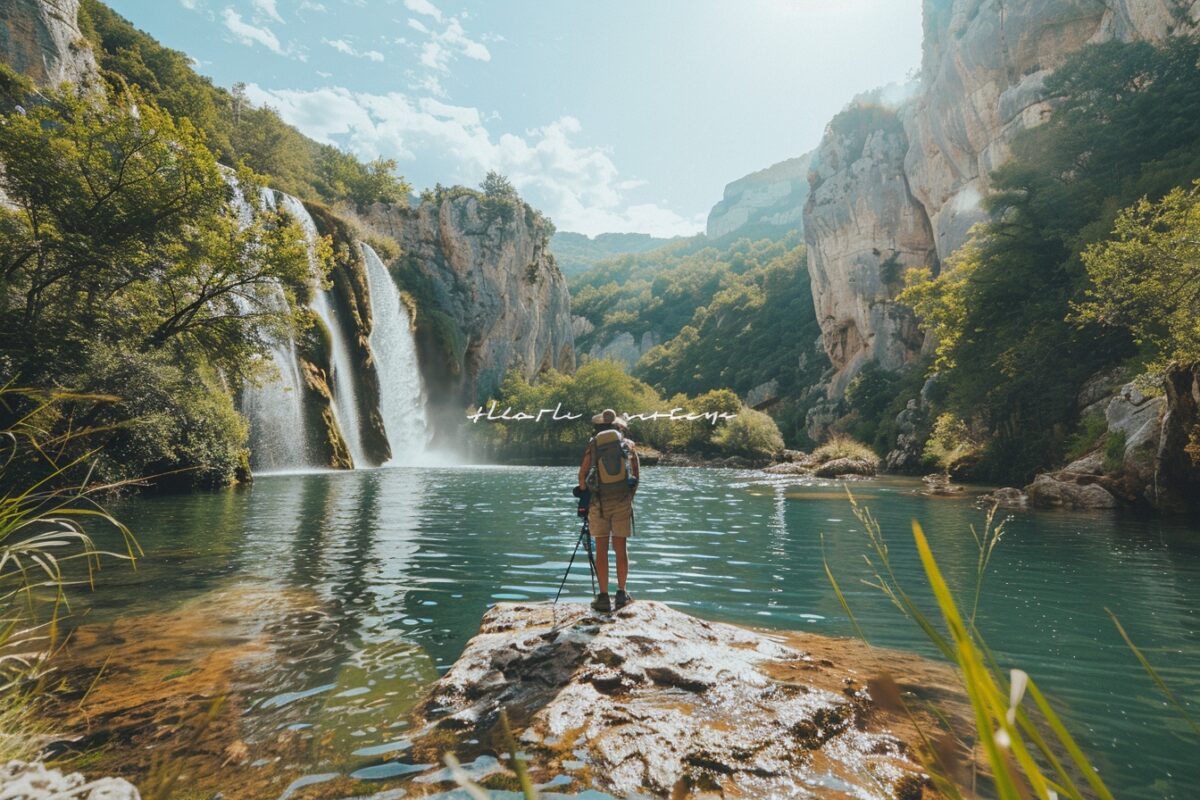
387	573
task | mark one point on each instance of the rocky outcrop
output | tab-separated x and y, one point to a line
1148	454
651	701
624	347
768	203
825	465
864	229
41	40
912	430
495	298
909	194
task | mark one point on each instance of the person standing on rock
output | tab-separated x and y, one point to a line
610	472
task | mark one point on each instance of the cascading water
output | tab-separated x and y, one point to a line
345	397
401	399
275	409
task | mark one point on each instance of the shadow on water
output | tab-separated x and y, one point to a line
380	577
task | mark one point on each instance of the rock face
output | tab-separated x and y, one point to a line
649	700
495	280
41	39
864	229
910	193
768	203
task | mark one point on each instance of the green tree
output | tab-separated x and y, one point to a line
1147	277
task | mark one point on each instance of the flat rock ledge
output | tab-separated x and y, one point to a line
649	701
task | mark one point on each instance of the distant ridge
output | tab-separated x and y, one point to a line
577	252
766	204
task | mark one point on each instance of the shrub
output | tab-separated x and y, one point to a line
951	443
751	433
1086	436
844	447
1114	450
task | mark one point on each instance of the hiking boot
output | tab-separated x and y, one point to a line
601	603
623	599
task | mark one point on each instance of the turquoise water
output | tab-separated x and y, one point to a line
399	565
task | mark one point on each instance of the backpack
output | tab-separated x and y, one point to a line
610	462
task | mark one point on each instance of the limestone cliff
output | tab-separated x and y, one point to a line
494	297
767	203
908	197
41	39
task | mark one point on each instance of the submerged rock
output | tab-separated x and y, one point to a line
651	700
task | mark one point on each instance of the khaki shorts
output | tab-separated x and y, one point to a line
616	519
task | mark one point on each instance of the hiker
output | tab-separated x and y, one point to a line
609	470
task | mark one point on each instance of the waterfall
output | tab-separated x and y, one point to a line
275	409
341	364
401	399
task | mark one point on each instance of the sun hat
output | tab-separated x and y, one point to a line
609	417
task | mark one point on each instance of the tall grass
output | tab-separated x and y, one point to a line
1027	748
46	516
841	446
1028	751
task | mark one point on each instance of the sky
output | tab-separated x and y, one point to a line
609	116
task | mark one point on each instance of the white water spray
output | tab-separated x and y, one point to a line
341	364
401	399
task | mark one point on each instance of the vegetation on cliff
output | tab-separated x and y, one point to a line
230	126
127	271
1012	349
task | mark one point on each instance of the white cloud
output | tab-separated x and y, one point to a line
423	7
190	5
342	46
442	45
434	56
268	9
578	185
455	36
249	34
307	5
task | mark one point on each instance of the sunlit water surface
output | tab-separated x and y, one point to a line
404	562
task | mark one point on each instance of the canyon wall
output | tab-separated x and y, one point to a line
41	40
490	295
890	197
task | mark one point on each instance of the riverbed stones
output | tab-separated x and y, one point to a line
652	701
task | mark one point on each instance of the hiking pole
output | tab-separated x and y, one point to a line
587	543
584	532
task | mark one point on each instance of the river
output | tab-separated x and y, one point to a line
387	572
